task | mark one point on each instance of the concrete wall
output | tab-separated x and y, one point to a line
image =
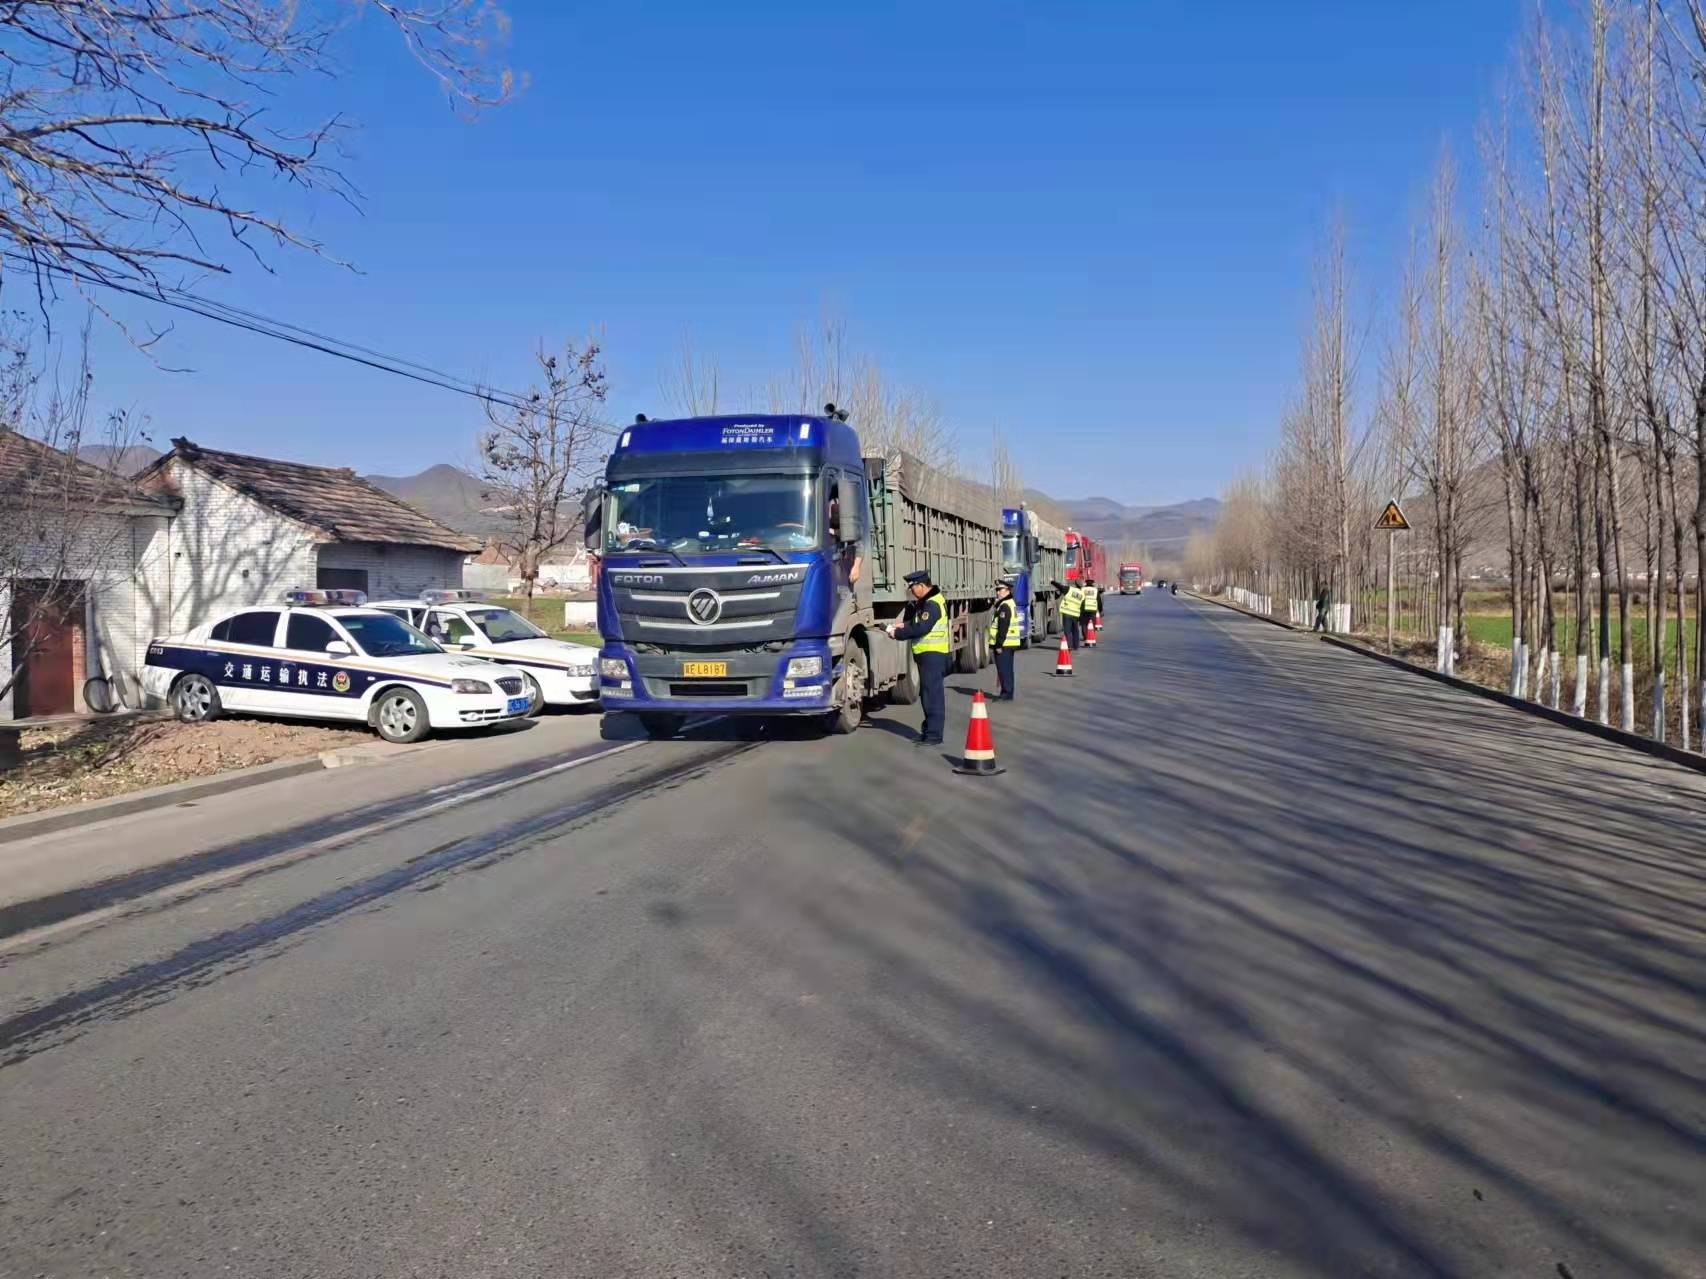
395	572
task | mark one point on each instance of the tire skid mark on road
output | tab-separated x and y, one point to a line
63	1020
30	924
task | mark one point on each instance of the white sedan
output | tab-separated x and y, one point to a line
558	672
322	656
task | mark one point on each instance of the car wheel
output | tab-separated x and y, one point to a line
535	696
195	700
850	692
660	727
400	715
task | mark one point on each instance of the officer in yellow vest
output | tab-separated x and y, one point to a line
1092	602
925	623
1004	637
1071	609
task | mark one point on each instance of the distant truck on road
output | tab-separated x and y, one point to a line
748	564
1086	561
1131	579
1033	554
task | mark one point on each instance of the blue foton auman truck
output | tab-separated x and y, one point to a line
1033	554
747	564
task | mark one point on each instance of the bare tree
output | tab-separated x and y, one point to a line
1005	479
128	132
535	457
888	417
693	384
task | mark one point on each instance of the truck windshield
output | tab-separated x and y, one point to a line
712	513
1010	561
1071	554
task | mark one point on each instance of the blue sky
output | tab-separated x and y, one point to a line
1089	225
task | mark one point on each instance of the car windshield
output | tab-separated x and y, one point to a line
501	626
1010	561
712	513
381	635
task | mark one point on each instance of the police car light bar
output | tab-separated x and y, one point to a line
451	597
325	599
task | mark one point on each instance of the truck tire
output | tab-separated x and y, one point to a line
904	691
660	727
965	656
850	689
984	652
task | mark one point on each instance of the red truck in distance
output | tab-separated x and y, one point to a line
1131	579
1085	560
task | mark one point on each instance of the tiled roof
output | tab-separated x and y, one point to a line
332	500
39	473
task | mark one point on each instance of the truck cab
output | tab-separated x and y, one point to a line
747	564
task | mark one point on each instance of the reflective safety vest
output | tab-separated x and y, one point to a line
1011	608
937	638
1072	603
1092	599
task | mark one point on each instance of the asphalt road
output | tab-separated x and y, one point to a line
1260	960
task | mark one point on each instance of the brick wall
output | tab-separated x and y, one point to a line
395	572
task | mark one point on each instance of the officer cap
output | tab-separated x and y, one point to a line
1005	583
913	579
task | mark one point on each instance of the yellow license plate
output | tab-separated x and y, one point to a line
705	670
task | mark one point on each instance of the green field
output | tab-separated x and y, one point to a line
1494	630
547	614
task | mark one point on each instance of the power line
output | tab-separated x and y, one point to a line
283	331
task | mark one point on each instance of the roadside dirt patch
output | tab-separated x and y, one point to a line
70	763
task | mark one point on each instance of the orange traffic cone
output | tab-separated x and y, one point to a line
979	760
1090	633
1063	663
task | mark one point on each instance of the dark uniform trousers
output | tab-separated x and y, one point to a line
1004	671
932	675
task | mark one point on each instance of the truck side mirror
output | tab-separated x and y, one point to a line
850	524
592	513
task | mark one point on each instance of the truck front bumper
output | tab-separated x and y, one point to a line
753	684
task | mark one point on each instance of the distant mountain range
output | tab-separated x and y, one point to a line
454	497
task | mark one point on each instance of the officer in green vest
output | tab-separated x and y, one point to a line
1071	609
1004	637
1092	602
925	623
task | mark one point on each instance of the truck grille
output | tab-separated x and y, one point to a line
511	686
709	688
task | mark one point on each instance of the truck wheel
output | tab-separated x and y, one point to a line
400	715
850	692
905	689
982	649
660	727
195	700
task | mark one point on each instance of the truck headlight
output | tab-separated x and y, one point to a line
612	668
804	667
469	686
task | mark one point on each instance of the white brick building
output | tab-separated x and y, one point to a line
201	532
78	548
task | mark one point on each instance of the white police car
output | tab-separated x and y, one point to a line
558	672
321	655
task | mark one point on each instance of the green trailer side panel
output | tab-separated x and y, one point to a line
921	518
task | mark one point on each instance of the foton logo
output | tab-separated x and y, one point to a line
773	579
637	579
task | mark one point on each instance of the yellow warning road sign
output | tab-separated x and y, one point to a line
1391	520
